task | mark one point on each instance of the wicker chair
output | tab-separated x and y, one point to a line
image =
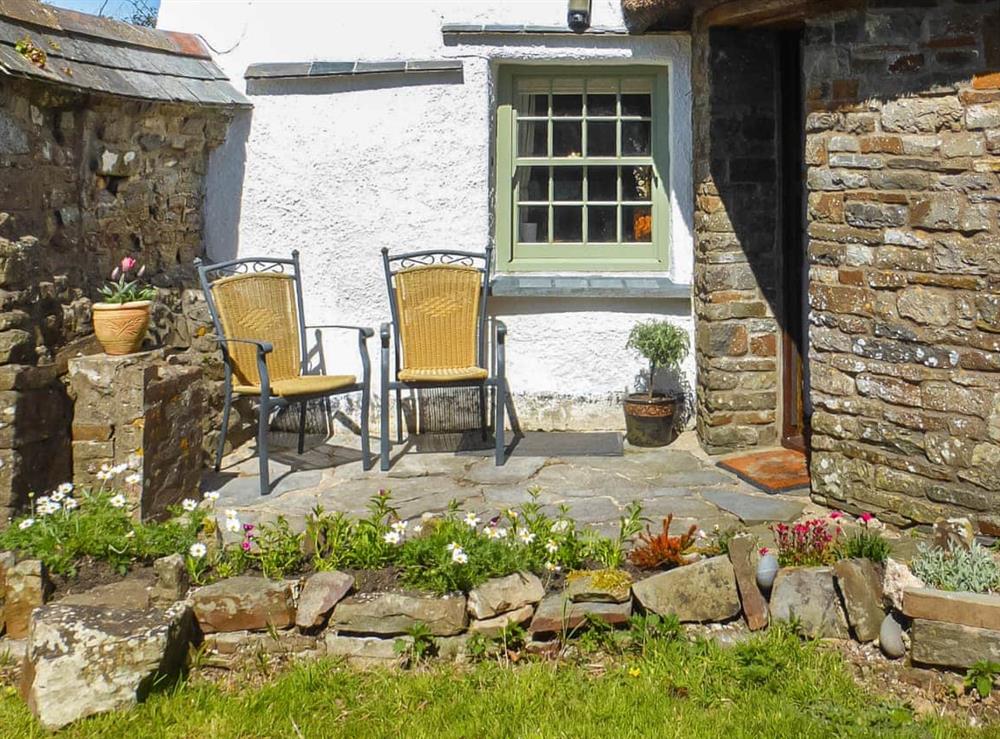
439	334
256	306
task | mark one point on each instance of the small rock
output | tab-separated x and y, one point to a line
493	626
808	595
741	554
502	594
599	586
320	594
954	533
84	660
131	593
699	592
896	577
365	651
26	588
6	562
172	580
396	613
555	614
286	641
244	604
890	638
454	648
861	585
767	570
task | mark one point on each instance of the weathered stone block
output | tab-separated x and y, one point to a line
808	595
321	592
555	614
700	592
26	588
952	645
395	613
860	584
244	604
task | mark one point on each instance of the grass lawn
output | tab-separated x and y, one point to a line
772	686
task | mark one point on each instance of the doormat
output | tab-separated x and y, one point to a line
532	444
775	471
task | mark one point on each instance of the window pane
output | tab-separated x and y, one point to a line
636	105
601	138
567	221
602	183
566	138
602	223
533	104
637	182
637	223
601	105
567	183
533	224
635	137
533	183
564	105
532	139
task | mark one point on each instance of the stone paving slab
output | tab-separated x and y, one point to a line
679	480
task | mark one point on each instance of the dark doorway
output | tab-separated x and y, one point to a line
792	263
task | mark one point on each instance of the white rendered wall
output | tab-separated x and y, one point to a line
340	168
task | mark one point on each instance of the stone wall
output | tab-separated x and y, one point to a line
85	180
736	226
903	156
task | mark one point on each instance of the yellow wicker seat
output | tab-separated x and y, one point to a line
256	305
438	301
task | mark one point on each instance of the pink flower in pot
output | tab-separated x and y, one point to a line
128	264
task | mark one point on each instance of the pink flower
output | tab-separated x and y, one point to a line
246	545
128	264
865	517
834	515
248	527
764	551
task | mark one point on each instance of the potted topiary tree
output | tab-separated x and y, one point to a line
649	416
120	321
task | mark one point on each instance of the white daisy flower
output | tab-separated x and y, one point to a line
392	537
134	479
233	525
211	496
47	508
525	536
119	468
104	475
232	513
57	496
458	556
70	504
66	488
551	547
418	528
105	467
198	550
189	505
118	501
452	547
552	567
399	526
26	524
471	520
560	526
494	532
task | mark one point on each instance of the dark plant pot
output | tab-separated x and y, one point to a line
650	421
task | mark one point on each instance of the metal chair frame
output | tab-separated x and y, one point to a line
496	378
208	274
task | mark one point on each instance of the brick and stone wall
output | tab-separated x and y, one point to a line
85	180
736	227
903	160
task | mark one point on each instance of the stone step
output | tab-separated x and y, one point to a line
979	610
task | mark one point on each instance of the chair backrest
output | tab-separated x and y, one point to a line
438	302
257	299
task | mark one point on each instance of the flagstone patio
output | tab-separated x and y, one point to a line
595	489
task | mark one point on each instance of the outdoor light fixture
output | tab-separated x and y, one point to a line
578	16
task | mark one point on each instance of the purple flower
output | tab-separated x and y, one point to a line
246	545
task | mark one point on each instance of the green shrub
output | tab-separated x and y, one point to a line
276	549
661	343
975	570
865	544
981	676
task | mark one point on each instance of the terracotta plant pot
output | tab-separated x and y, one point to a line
121	327
650	421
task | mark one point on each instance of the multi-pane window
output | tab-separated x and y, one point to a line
579	163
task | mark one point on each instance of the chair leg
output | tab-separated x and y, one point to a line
399	416
366	452
262	431
384	433
515	423
500	406
227	404
483	420
302	427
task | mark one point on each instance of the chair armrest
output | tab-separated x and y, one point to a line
364	330
385	332
263	347
501	329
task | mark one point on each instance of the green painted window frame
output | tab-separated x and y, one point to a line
653	256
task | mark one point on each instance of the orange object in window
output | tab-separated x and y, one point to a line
642	225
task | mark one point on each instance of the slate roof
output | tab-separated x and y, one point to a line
98	54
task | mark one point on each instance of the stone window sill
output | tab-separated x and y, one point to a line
536	285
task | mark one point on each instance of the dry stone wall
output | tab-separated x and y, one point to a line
85	180
903	161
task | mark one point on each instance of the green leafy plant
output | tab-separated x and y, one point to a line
981	676
663	344
866	544
505	646
974	570
420	647
610	553
648	629
276	549
123	287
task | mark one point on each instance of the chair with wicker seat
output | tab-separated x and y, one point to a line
439	335
256	307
